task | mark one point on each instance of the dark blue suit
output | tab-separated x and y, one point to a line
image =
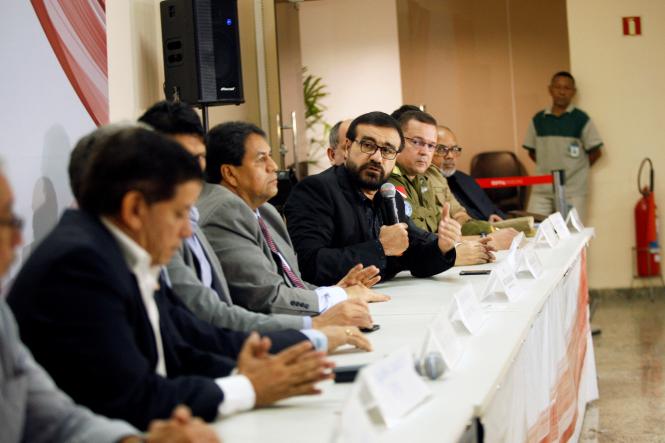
80	312
472	197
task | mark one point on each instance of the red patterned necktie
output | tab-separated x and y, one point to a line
273	247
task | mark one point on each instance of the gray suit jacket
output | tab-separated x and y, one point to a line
253	277
217	308
33	409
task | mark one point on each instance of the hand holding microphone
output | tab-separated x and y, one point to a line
449	231
393	236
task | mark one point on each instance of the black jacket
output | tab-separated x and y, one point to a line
331	232
80	312
470	195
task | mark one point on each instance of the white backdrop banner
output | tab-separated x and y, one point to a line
54	85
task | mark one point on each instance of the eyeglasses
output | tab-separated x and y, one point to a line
14	221
419	143
443	150
369	147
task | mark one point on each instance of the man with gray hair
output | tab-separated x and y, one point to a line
337	139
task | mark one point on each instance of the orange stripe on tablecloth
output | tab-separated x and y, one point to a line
564	395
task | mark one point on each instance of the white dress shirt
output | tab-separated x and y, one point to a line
140	263
238	391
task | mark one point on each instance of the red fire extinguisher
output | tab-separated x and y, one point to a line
646	227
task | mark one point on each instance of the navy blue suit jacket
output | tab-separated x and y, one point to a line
470	195
80	312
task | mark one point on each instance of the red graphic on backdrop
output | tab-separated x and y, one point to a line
632	26
76	31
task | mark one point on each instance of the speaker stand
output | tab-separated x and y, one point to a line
204	113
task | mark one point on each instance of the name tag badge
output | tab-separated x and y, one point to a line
574	220
394	385
467	310
441	337
574	150
559	225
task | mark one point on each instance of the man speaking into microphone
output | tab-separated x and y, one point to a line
339	218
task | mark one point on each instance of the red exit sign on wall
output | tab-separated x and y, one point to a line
632	26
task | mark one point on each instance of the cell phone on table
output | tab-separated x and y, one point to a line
476	272
374	327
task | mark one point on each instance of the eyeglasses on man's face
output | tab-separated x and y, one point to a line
420	143
13	221
370	147
453	150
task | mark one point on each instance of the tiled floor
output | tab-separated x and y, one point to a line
630	358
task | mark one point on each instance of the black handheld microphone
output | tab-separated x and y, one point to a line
388	194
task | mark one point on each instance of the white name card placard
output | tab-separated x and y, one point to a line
513	252
530	263
394	385
355	423
546	234
559	225
441	337
503	280
574	220
467	309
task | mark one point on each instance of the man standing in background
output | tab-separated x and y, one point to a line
562	137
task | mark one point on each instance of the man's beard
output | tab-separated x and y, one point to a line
366	183
448	172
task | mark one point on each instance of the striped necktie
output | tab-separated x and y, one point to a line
273	247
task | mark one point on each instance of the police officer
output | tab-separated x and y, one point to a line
424	188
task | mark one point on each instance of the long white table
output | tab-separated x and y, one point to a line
485	383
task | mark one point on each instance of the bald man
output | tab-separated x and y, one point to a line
464	187
337	140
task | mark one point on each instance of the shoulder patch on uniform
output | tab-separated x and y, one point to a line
402	190
408	210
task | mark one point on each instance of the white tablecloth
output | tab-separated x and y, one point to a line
527	374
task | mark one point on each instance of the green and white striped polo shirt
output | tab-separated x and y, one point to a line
563	142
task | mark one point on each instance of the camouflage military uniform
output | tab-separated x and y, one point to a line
426	194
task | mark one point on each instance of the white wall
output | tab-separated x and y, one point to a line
353	45
621	85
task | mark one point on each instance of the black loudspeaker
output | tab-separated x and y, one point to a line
201	48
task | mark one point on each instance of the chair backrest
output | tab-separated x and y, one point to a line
501	164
